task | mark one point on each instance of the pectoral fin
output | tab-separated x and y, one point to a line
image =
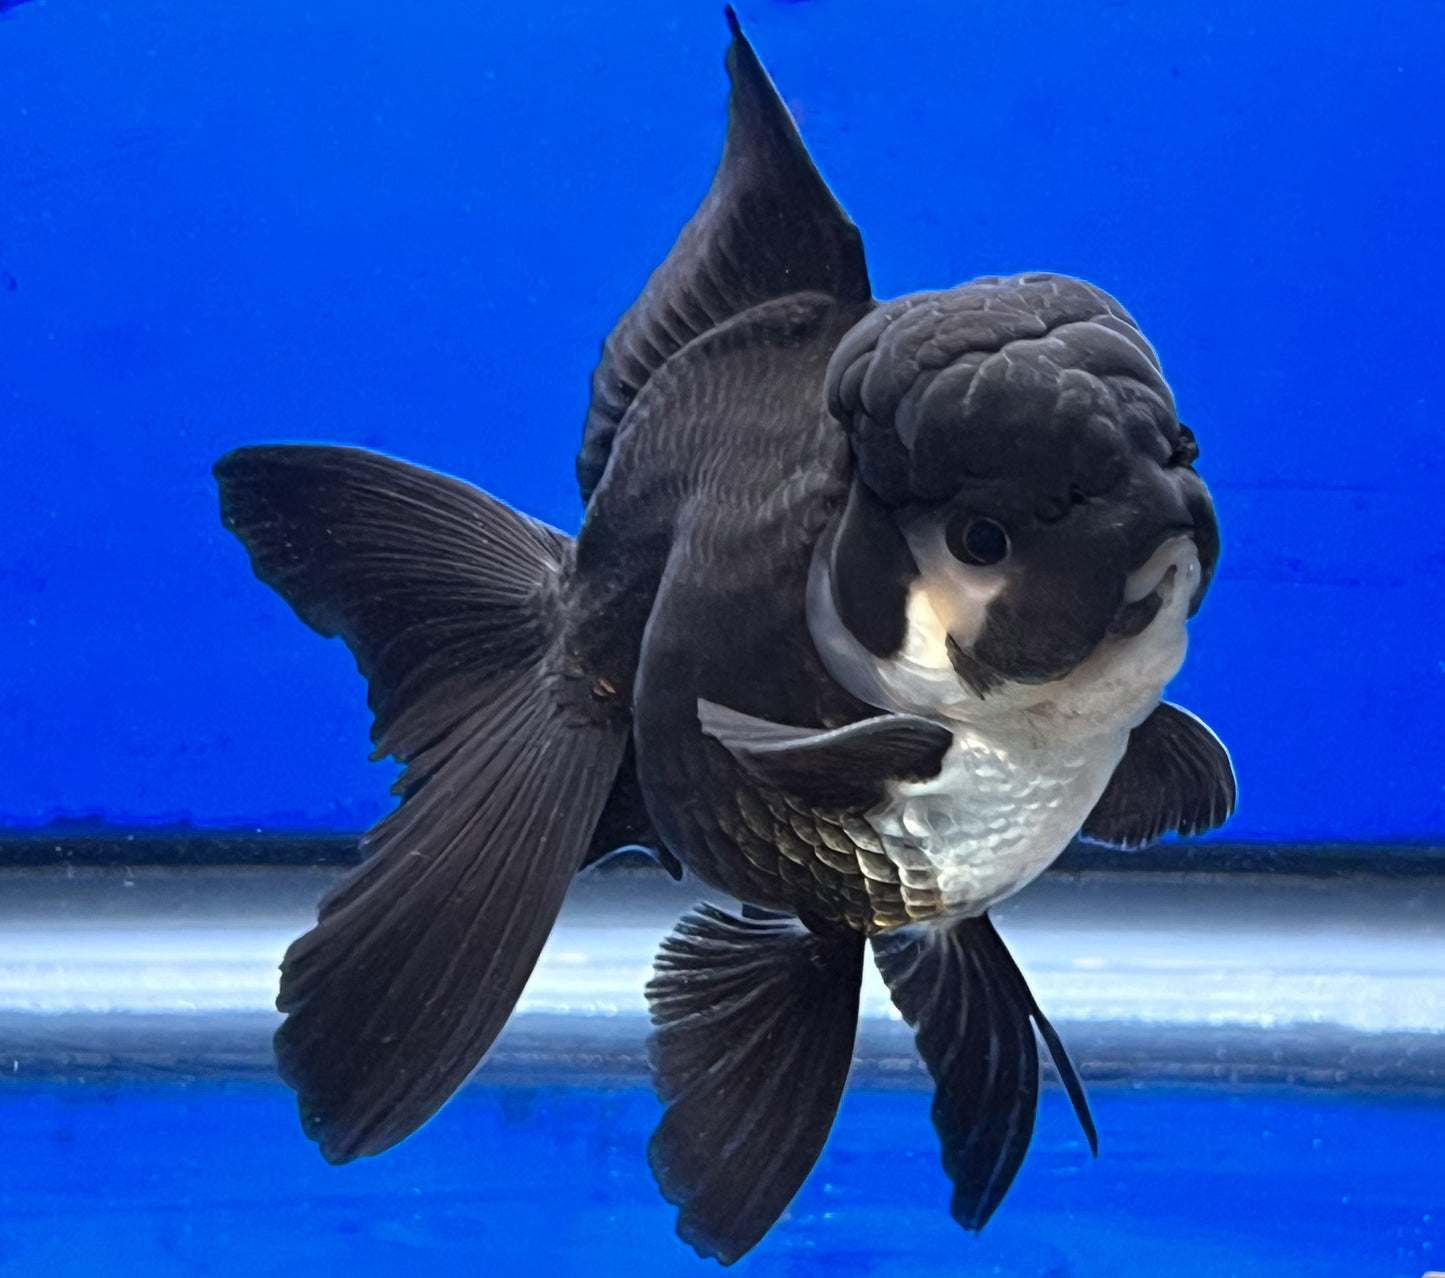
1174	777
838	768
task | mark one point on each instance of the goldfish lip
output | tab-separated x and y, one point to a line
1172	553
1151	587
1133	618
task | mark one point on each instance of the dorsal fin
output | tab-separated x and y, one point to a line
767	227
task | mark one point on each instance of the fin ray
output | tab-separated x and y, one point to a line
1175	778
755	1020
767	228
956	983
450	601
399	990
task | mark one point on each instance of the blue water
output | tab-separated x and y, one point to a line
410	226
216	1180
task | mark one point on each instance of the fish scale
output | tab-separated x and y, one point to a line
871	609
974	835
792	861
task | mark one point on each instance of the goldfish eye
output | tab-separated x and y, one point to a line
1186	451
976	540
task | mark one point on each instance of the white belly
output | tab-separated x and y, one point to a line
994	817
1028	761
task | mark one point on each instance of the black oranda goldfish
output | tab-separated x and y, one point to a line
870	613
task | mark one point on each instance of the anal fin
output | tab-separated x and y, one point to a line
957	985
755	1021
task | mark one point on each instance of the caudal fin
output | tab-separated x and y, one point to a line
957	985
755	1023
450	602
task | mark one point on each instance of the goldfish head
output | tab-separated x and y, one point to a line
1025	502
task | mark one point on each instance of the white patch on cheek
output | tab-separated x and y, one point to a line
918	680
1029	761
958	594
926	642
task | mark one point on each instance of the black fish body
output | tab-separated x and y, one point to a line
728	619
870	612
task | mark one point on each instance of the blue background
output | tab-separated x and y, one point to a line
534	1182
409	226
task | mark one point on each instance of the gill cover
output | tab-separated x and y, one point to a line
1033	402
870	569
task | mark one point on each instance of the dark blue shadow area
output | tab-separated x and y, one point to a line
410	225
217	1180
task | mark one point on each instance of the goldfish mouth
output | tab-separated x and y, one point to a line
1160	587
1151	587
1134	618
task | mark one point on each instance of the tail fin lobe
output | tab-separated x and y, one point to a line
433	584
451	602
